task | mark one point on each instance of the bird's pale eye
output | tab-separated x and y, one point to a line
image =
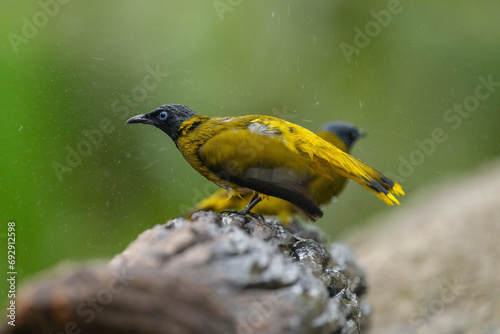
163	115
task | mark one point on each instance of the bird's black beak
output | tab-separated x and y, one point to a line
139	119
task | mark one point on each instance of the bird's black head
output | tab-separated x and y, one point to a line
167	118
346	132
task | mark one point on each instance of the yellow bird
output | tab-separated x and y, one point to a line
342	135
262	153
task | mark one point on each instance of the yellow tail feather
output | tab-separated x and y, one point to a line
328	160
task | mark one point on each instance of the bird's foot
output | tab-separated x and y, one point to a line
244	213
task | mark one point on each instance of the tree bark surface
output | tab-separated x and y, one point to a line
215	274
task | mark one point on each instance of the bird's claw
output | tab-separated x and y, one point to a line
244	213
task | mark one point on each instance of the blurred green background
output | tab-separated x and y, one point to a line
71	70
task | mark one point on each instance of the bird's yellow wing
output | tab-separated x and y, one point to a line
262	162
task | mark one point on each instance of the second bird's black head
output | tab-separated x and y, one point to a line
167	118
346	132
